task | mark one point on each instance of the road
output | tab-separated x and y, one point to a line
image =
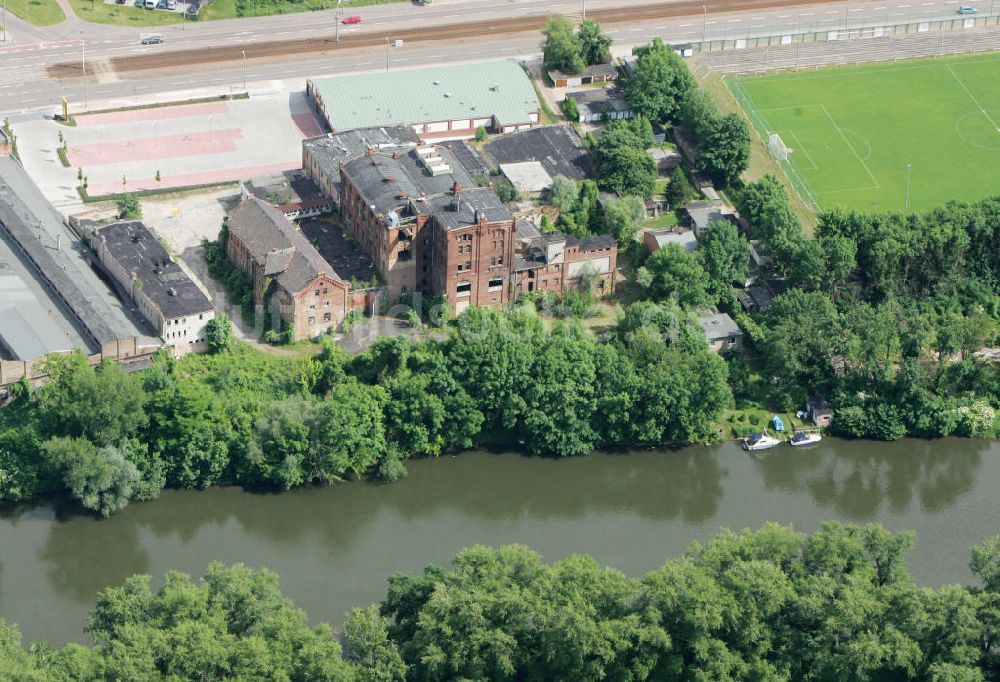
25	87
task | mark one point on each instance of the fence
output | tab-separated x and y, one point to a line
866	27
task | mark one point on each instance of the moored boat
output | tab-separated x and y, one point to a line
759	441
803	438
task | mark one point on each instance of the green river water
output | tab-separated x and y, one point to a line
335	547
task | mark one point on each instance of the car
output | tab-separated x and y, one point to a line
966	9
351	20
152	40
193	8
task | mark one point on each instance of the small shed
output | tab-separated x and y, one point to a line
721	332
701	214
595	73
666	159
819	411
657	239
596	105
759	254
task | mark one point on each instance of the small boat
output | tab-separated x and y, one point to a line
759	441
803	438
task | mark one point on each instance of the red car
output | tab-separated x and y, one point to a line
351	20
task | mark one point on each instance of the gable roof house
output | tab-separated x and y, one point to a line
289	276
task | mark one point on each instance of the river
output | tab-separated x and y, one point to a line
335	547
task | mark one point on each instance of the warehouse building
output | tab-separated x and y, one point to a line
166	296
447	102
51	299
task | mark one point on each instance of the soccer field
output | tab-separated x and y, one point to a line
853	131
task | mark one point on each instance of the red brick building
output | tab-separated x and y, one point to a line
289	276
428	227
557	262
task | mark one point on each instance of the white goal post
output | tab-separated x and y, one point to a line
777	147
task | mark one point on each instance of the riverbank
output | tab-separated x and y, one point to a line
335	547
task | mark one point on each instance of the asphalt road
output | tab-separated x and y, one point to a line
25	89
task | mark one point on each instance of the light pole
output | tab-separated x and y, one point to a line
584	9
909	172
3	21
704	26
83	65
387	54
244	53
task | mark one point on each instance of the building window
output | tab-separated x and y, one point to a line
496	284
201	317
312	320
326	317
317	292
493	261
325	291
463	288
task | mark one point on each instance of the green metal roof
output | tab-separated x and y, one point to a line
444	93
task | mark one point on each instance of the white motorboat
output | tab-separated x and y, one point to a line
803	438
759	441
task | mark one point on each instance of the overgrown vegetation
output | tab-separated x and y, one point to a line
239	416
770	604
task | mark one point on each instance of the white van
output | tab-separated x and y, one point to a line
150	4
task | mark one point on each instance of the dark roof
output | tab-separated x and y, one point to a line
138	251
275	243
601	100
330	150
55	257
471	160
595	243
387	182
592	70
558	148
454	212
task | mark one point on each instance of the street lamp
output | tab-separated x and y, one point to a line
3	22
909	172
704	26
244	53
584	9
83	65
387	54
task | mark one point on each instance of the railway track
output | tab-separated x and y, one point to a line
125	65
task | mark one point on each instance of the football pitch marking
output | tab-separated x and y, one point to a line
789	134
840	132
973	98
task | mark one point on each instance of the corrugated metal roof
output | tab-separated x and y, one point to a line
446	93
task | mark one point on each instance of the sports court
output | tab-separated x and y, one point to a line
855	137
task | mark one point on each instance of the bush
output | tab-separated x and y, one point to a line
570	110
129	207
481	134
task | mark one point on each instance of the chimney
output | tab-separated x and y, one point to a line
456	188
395	155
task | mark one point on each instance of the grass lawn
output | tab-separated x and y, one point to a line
666	219
37	12
859	135
741	423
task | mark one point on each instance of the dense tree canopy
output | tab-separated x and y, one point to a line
660	82
769	604
623	165
561	50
